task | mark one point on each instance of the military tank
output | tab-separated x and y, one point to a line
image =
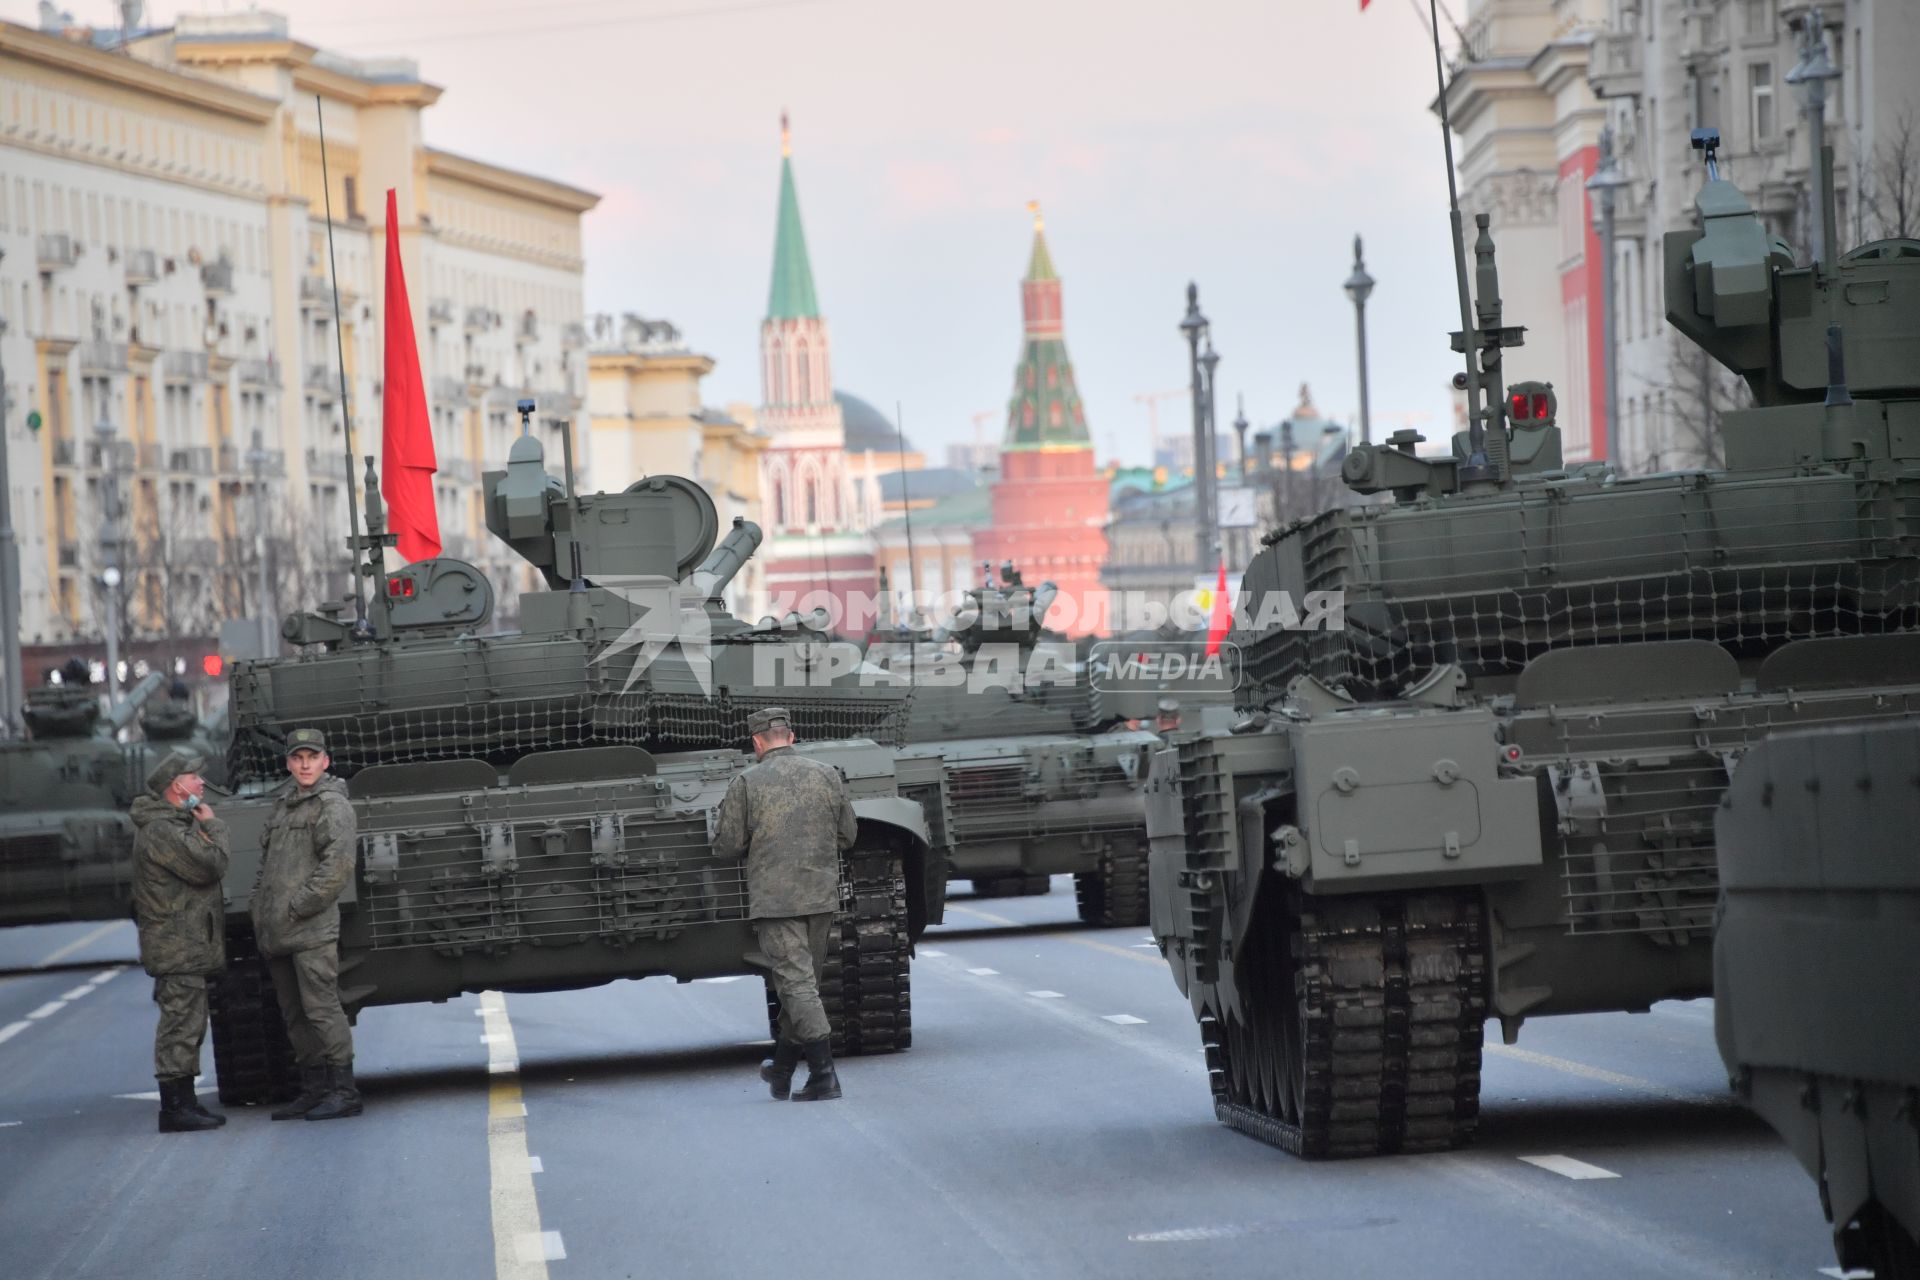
66	843
1815	1010
535	809
1491	792
1005	750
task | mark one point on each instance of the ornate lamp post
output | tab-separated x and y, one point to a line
12	683
1359	287
1209	536
110	547
257	462
1195	327
1606	180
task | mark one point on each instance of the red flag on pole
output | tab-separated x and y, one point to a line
1364	4
407	463
1222	620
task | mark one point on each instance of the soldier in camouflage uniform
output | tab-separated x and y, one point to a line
308	861
790	817
179	857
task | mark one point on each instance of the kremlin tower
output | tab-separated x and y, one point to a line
816	533
1049	504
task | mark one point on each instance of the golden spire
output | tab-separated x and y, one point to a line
786	135
1039	223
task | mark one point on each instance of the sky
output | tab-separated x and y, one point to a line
1240	144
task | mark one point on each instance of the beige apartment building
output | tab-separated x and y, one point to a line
167	295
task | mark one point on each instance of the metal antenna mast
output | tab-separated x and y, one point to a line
1476	467
340	354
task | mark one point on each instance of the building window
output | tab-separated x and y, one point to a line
813	511
1760	87
779	504
1759	16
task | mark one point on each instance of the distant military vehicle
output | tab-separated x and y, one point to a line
1491	793
1816	1006
1005	717
66	843
535	809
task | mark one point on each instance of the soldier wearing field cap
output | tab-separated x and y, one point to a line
1166	717
307	862
180	855
790	817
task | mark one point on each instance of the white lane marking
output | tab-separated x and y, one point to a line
1601	1074
81	943
1835	1272
1123	1019
105	976
984	973
12	1029
929	951
735	977
539	1247
9	1124
84	989
1046	995
1148	946
1568	1167
534	1165
521	1250
47	1010
1182	1234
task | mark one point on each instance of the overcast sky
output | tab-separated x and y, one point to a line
1240	143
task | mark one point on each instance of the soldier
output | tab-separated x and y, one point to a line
790	818
309	850
1166	717
179	857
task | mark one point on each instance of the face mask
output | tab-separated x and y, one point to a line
189	802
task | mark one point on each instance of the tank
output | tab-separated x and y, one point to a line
1040	774
1488	790
535	808
1815	1010
66	843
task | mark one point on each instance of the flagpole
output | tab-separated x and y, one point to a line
340	355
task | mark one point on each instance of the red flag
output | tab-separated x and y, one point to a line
1364	4
407	463
1222	620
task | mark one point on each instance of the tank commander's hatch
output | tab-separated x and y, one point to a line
439	594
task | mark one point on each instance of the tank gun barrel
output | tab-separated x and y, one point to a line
720	568
121	713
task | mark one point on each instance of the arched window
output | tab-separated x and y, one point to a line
802	360
813	513
779	504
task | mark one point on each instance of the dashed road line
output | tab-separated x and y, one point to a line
1047	995
534	1165
929	951
9	1124
732	977
47	1010
1123	1019
12	1029
521	1250
84	989
80	944
1838	1274
984	973
1568	1167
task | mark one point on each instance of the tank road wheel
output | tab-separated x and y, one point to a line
251	1053
1361	1025
1114	894
867	987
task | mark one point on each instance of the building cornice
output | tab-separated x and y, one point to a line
510	181
79	59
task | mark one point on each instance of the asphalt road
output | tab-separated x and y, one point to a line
1051	1120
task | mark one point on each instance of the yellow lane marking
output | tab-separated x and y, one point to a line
520	1248
1095	943
81	943
1636	1083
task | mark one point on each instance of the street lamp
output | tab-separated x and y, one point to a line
12	684
1195	327
1359	287
1813	71
1606	180
1240	434
110	549
1209	533
257	463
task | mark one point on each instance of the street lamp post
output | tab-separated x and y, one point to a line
1813	71
1195	327
12	683
1240	435
110	549
1606	180
1210	532
257	462
1359	287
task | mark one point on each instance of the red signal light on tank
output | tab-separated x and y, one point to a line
1519	406
1511	755
213	665
400	588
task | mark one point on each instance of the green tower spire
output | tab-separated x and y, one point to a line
1044	413
792	296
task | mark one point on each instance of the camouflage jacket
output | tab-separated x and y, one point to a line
307	860
790	817
178	862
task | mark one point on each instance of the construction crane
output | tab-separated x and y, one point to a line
1152	400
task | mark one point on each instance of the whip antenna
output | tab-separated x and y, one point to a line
906	510
340	355
1476	467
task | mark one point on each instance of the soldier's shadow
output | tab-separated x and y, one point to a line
665	1064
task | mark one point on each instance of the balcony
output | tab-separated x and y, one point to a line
143	267
217	278
119	455
193	551
574	336
480	320
325	462
149	456
440	312
460	470
320	379
55	251
1615	70
194	461
235	461
183	366
101	357
257	373
527	330
63	452
314	294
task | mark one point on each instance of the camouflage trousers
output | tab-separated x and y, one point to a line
183	1025
797	948
308	986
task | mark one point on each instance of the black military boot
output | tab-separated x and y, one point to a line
343	1096
313	1091
180	1111
823	1083
777	1071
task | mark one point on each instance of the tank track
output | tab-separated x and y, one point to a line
1370	1040
867	984
252	1056
1114	894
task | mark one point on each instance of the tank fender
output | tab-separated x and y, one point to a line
901	823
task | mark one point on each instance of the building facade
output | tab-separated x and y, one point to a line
168	286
